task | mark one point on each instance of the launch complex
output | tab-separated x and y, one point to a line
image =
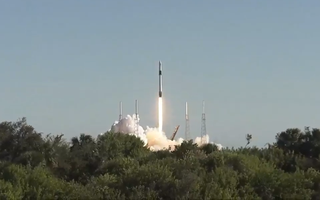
160	115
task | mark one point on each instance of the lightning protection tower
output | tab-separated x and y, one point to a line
203	125
187	128
136	118
120	110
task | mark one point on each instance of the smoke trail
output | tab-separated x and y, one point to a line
152	137
160	114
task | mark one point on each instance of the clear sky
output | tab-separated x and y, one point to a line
65	65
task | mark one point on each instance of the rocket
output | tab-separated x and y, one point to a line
160	79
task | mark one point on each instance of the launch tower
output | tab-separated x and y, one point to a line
203	125
136	118
187	128
120	110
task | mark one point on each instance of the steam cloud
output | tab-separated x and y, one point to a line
151	137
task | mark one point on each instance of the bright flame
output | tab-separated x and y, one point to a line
160	114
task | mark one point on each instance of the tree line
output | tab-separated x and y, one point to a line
119	166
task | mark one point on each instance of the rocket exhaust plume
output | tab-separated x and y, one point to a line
160	98
160	114
151	137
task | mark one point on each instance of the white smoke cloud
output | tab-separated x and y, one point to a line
151	137
126	126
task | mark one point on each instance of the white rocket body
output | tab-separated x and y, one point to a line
160	79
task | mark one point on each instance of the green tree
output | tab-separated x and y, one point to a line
120	166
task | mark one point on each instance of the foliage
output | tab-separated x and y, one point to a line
119	166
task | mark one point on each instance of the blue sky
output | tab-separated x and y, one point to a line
65	65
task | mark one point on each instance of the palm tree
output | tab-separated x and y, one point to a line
248	138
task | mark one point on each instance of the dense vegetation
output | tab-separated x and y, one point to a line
117	166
